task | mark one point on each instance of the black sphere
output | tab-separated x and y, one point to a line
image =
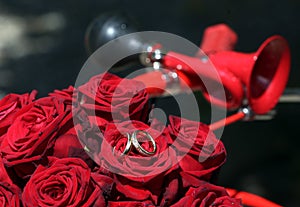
108	27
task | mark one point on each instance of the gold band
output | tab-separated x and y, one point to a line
86	149
137	145
127	147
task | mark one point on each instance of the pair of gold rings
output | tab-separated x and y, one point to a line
133	140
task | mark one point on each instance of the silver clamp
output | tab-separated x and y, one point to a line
251	116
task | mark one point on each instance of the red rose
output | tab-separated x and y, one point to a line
10	105
207	195
135	165
66	182
32	134
227	201
172	188
9	193
115	134
89	130
138	177
68	145
65	94
130	204
114	98
202	153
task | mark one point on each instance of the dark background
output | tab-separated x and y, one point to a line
42	47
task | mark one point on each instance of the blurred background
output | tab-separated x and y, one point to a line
42	47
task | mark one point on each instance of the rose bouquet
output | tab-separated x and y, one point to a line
96	146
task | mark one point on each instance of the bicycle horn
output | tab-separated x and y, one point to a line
264	73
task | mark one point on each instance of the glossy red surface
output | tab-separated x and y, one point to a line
263	74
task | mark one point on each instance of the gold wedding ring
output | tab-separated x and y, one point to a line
133	140
137	145
127	147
